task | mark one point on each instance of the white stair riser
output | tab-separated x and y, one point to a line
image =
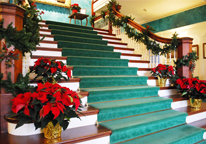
48	45
180	104
33	60
29	129
130	57
107	35
139	65
154	82
204	135
71	85
195	117
47	38
44	27
102	140
47	53
143	73
110	40
101	31
124	51
42	23
116	45
44	32
167	92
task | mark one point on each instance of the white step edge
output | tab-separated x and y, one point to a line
48	45
46	53
138	65
124	51
102	140
110	40
32	60
130	57
180	104
107	35
167	92
29	129
47	38
144	73
42	23
195	117
204	135
43	27
102	31
117	45
44	32
154	82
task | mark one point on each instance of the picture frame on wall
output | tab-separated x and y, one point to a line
204	50
195	48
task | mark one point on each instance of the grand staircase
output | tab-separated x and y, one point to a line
122	103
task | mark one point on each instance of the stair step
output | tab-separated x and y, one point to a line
98	29
95	61
44	51
102	70
129	107
136	126
68	25
48	43
181	134
200	123
111	38
86	111
74	135
89	53
107	81
106	34
119	93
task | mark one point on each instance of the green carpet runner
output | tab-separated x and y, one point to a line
127	105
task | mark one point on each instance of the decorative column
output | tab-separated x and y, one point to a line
15	14
184	48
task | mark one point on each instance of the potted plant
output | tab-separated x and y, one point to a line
75	8
193	89
50	107
162	72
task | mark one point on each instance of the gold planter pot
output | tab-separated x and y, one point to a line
161	81
195	103
51	131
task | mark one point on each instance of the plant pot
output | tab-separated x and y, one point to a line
195	103
161	81
74	11
5	1
51	131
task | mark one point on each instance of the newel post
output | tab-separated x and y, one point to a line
15	14
184	48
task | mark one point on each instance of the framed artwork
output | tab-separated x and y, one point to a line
64	3
195	48
204	50
83	11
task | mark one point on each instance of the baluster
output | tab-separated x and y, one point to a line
170	62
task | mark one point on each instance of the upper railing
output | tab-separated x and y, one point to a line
183	48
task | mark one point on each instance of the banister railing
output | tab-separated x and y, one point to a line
184	47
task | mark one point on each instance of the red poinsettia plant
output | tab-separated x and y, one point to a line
50	102
50	68
8	55
163	71
191	88
75	7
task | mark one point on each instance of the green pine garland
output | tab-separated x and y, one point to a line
141	36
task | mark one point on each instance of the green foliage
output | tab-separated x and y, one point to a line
141	36
103	13
91	21
21	85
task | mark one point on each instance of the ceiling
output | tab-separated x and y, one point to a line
149	10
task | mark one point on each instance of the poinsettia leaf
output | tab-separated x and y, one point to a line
60	118
52	99
44	122
54	122
22	121
35	101
64	124
37	125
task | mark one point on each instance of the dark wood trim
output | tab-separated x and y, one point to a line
49	42
165	88
138	61
98	29
101	33
135	55
43	21
191	111
176	97
111	38
204	50
117	43
86	111
144	69
44	25
70	67
120	48
84	94
45	30
50	57
49	49
52	36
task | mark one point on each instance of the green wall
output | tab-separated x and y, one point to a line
188	17
61	14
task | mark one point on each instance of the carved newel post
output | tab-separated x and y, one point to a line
15	14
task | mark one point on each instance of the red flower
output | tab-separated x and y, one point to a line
53	70
64	68
69	73
75	4
154	69
147	27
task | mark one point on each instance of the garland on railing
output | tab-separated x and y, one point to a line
91	21
140	36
